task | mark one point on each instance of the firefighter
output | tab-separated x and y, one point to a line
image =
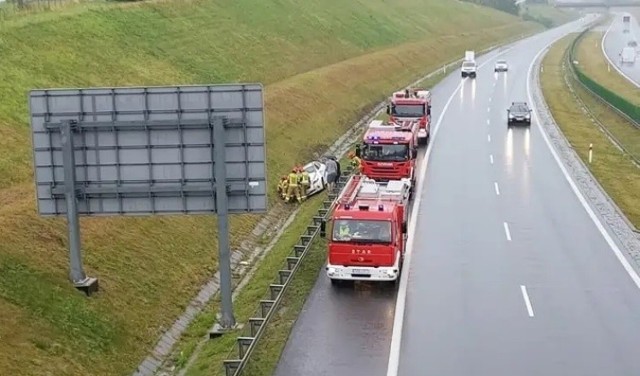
282	187
406	93
292	187
343	230
305	182
356	163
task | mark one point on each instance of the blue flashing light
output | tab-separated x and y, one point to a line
380	207
375	137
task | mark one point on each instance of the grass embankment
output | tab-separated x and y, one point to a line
614	171
595	65
548	15
323	66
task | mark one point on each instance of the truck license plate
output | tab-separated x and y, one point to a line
360	271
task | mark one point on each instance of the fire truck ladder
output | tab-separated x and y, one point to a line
359	186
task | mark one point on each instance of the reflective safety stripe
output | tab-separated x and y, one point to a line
293	179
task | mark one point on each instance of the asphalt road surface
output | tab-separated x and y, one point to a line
615	40
347	331
509	275
466	312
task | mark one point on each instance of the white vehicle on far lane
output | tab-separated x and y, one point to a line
501	66
317	176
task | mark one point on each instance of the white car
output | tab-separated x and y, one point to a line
501	66
318	176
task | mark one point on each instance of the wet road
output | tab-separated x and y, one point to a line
615	40
347	331
509	275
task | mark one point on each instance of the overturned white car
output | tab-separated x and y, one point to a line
317	176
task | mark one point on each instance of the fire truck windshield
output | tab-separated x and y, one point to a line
407	110
385	152
362	231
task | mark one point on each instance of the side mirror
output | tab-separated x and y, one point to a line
388	110
404	227
323	228
414	153
358	150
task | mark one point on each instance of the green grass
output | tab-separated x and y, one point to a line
324	65
209	361
614	171
548	15
595	65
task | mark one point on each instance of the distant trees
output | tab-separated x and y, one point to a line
508	6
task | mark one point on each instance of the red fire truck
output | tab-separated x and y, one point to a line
409	107
368	232
388	153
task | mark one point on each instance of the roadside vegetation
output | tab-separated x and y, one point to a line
546	14
616	172
595	65
323	66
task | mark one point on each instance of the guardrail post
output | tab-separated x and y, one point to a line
254	325
265	306
275	290
243	345
299	249
231	366
284	276
292	262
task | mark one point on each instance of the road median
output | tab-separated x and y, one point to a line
581	118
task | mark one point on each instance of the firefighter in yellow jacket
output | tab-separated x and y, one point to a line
305	182
293	187
282	186
356	163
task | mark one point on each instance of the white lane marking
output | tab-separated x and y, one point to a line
614	247
527	302
488	122
495	185
490	99
488	138
611	63
489	109
401	298
491	158
506	230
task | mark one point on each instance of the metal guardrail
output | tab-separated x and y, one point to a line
251	334
569	60
626	109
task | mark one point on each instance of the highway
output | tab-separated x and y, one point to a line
508	275
615	40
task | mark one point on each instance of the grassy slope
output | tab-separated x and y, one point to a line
558	16
595	65
615	172
149	268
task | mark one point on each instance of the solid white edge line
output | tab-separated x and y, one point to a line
495	184
506	230
527	302
602	41
623	260
398	319
491	158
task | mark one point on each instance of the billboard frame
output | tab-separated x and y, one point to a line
215	120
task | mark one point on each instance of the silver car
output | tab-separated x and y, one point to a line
501	66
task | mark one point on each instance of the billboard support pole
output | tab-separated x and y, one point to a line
227	320
76	274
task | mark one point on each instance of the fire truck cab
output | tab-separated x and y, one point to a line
388	153
412	106
368	232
